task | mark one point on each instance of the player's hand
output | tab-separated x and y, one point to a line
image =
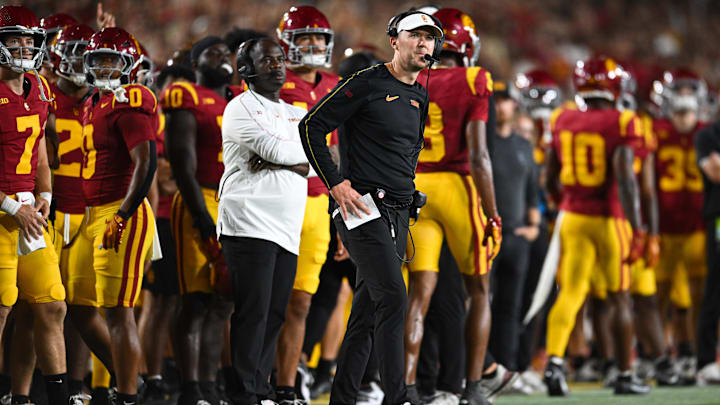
347	198
104	19
340	252
43	207
30	221
113	233
206	228
529	232
493	229
652	251
637	245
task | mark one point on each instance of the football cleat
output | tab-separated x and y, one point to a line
371	394
322	385
630	385
501	382
555	378
444	398
78	399
473	394
709	375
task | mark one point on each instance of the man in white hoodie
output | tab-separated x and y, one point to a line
262	204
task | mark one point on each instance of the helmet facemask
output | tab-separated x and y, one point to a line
71	55
21	64
108	69
305	55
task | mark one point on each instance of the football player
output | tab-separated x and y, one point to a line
25	195
307	39
680	194
162	282
454	171
52	25
119	162
65	120
592	146
193	139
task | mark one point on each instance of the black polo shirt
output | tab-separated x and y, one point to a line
383	121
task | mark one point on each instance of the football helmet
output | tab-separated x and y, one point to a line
683	89
66	52
599	77
538	93
145	67
111	50
305	20
19	21
460	34
52	24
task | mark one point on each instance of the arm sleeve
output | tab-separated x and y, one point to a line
329	113
245	124
707	141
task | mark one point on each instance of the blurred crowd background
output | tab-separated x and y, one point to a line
648	36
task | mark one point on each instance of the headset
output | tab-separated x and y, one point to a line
245	65
393	32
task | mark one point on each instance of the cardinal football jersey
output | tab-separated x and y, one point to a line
208	108
457	96
22	124
111	129
584	142
300	93
67	183
680	186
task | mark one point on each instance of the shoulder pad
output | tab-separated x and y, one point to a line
479	81
180	95
135	96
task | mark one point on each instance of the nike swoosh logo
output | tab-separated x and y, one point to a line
389	99
104	105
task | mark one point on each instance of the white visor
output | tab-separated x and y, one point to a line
417	20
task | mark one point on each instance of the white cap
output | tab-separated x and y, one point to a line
417	20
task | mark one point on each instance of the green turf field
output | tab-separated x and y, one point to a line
591	394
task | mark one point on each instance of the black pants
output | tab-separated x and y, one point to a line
165	275
441	364
262	275
509	272
379	308
707	337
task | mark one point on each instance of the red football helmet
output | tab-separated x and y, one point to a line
460	34
66	52
305	20
56	22
683	89
539	93
110	51
599	77
19	21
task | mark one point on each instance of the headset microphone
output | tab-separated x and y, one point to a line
430	58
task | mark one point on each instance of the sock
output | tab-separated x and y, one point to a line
625	374
684	349
490	376
191	388
285	393
324	367
75	386
4	384
578	362
22	399
57	388
126	399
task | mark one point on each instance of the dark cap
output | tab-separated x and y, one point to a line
202	45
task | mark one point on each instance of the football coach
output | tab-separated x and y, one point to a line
382	110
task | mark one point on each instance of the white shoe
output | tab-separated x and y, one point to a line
444	398
534	380
520	387
687	368
644	369
306	381
6	399
503	380
79	399
611	377
709	375
589	372
372	395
